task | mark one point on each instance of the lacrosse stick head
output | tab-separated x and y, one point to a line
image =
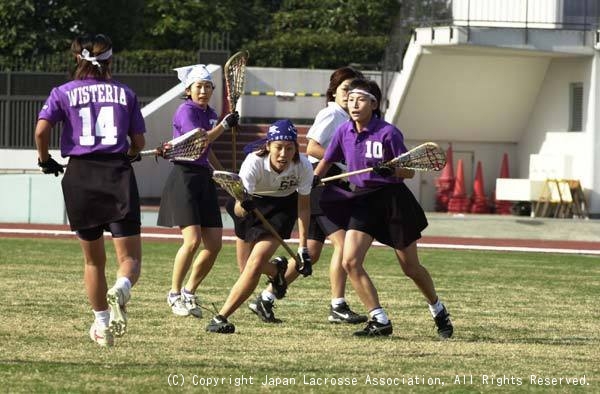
187	147
232	184
235	75
425	157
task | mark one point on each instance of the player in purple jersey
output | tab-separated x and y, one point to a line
381	206
189	198
103	131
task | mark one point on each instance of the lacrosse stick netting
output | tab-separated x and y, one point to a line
187	147
232	184
235	76
425	157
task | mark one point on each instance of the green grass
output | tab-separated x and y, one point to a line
515	315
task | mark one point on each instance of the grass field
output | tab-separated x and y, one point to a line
515	315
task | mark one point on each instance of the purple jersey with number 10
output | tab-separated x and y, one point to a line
97	116
378	142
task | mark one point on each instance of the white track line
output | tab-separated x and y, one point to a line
151	235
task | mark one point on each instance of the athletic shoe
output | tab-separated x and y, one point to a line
177	305
444	324
264	310
343	314
190	302
117	298
220	325
375	329
278	282
101	335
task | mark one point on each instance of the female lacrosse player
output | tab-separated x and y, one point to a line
319	135
98	115
280	179
189	198
380	197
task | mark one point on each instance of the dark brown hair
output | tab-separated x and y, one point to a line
96	45
339	76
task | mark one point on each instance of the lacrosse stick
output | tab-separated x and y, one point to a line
232	184
186	147
425	157
235	75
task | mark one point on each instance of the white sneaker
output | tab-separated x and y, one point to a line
190	301
177	305
101	335
117	298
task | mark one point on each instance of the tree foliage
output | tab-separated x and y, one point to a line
279	33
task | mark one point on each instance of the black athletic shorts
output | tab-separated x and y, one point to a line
122	228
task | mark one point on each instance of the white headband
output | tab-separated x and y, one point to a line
85	55
363	92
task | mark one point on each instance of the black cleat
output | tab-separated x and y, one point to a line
264	310
375	329
278	282
220	325
343	314
444	325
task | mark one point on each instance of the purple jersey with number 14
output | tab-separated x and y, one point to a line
378	142
97	116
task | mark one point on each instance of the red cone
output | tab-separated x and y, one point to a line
459	202
445	183
459	183
479	200
504	168
503	207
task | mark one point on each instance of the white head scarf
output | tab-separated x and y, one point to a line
85	55
190	74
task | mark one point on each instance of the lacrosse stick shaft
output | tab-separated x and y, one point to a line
272	230
234	131
346	175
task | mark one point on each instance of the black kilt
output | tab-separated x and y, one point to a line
390	214
280	212
189	198
100	189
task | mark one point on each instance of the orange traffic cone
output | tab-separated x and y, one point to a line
459	202
479	200
503	207
445	183
504	167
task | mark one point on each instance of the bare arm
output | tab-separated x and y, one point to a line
42	138
303	218
322	168
314	149
138	141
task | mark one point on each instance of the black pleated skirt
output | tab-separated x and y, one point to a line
189	198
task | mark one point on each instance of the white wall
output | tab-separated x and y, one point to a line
547	129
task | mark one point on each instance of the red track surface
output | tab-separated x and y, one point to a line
21	230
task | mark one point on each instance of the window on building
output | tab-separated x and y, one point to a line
576	106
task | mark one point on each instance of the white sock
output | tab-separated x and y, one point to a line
267	296
335	302
174	296
123	283
436	308
186	293
102	318
379	315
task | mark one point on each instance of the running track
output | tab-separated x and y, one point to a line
20	230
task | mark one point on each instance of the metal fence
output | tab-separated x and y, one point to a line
22	95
